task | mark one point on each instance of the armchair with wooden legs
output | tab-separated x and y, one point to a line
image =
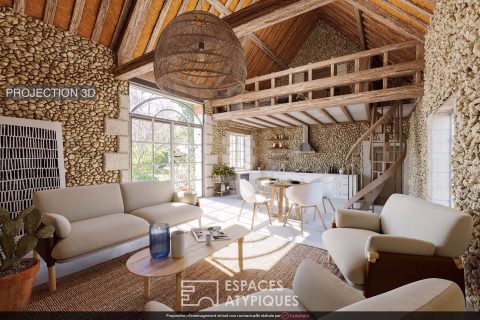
248	194
412	239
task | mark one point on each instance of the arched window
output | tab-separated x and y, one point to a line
166	139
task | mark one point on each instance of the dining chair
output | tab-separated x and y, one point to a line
326	181
247	191
264	187
305	196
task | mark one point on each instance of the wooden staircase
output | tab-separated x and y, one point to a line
386	151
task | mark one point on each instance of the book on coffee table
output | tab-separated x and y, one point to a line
200	234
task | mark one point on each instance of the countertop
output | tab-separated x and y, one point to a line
299	172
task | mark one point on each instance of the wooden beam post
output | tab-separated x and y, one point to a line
132	32
49	12
100	21
121	24
76	16
158	26
262	46
19	6
388	19
361	32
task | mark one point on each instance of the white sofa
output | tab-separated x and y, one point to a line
412	239
89	219
315	289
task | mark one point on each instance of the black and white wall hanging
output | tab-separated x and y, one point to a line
31	159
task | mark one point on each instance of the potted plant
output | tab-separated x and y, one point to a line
17	274
221	171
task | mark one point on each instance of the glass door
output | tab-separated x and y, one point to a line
187	157
164	150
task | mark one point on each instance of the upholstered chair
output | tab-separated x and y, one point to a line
412	239
247	191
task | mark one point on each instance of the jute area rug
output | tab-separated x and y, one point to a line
111	287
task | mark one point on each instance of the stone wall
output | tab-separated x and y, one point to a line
452	56
32	52
323	43
332	143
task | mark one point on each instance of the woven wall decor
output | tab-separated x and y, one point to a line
199	56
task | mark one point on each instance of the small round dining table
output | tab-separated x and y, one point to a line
279	187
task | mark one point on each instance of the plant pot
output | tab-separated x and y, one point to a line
16	289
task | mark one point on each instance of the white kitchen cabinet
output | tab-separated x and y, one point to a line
337	189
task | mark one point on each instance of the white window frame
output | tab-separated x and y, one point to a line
238	151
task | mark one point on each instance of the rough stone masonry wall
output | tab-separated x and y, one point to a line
452	56
32	52
332	143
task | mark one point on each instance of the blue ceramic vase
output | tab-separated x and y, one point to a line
159	240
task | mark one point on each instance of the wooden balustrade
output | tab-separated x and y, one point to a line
268	97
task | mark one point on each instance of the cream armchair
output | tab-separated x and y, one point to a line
412	239
315	289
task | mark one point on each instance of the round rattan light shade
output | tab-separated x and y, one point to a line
199	56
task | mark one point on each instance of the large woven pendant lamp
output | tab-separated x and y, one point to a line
199	56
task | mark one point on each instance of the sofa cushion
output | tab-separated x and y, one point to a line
347	248
273	300
90	235
172	213
448	229
433	295
79	203
146	193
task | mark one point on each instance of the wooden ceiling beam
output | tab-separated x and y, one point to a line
158	26
262	46
244	124
19	6
361	32
255	122
388	19
347	113
328	115
399	93
293	27
183	7
417	8
121	24
282	121
265	13
308	115
100	21
49	12
276	32
217	5
76	16
250	123
254	17
269	122
295	118
404	13
133	31
199	5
